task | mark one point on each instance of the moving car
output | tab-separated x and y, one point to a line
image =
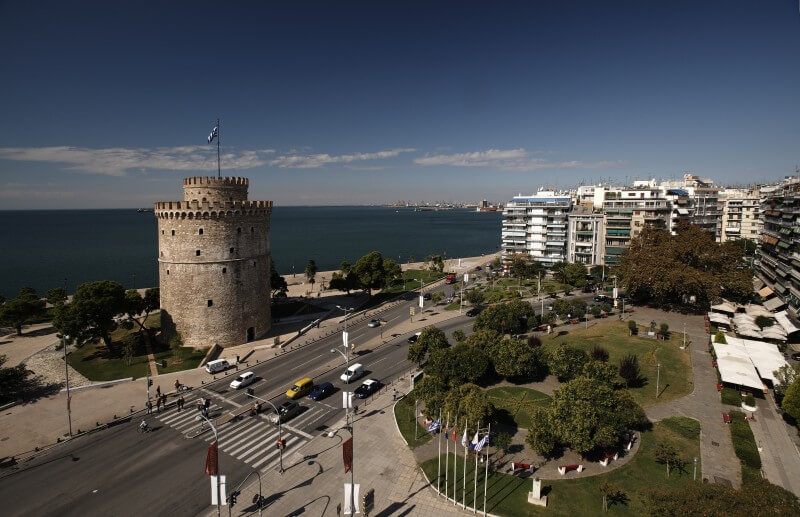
367	388
321	391
374	323
286	411
354	372
414	338
474	311
300	388
426	296
220	365
243	380
602	298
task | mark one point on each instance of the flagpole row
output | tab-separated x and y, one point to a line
439	455
475	476
447	456
464	483
486	472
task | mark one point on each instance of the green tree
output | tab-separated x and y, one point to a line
459	335
371	271
599	273
603	372
431	338
629	370
485	340
541	437
18	311
667	454
138	307
764	321
311	273
566	362
431	390
784	377
474	296
392	271
791	401
91	313
611	493
502	442
459	364
515	359
588	415
664	330
575	274
55	296
632	328
276	282
436	263
13	380
345	279
469	402
505	318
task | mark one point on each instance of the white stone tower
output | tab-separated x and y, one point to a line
213	263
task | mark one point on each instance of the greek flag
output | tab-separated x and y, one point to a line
214	134
434	426
483	443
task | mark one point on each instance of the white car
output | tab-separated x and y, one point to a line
243	380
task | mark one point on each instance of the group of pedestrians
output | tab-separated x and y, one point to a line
161	401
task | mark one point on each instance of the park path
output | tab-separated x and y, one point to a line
719	463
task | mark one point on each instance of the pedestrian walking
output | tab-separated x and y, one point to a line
158	404
158	390
149	407
164	401
207	404
180	403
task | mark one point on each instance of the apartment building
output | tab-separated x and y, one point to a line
778	259
585	235
705	206
740	214
628	211
537	225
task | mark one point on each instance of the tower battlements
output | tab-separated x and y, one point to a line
211	188
202	181
162	208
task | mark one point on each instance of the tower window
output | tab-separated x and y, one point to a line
254	263
196	253
252	229
162	232
173	232
239	230
224	270
200	231
231	250
210	303
167	271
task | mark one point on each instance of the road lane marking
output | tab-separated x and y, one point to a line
305	363
298	431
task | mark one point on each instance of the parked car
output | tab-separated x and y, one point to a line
602	298
243	380
414	338
426	296
367	388
474	311
321	391
286	411
374	323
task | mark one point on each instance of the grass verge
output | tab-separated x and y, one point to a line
507	495
404	415
744	444
675	371
731	396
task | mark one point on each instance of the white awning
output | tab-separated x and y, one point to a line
774	332
766	357
724	307
783	320
719	319
757	283
756	310
683	211
735	366
774	303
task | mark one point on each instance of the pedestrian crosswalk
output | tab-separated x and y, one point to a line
252	440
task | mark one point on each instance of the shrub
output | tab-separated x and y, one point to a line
664	328
749	400
632	327
719	337
764	321
629	370
598	353
744	444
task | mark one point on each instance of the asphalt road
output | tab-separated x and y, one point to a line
119	471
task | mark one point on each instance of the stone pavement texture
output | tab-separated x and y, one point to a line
718	460
313	482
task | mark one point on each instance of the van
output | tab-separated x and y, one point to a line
354	372
300	388
220	365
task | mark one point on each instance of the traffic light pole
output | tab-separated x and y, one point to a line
236	493
280	435
216	440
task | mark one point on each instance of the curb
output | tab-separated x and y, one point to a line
103	384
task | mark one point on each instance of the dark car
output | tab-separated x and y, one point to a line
321	391
426	296
796	356
414	338
366	389
286	411
602	298
474	311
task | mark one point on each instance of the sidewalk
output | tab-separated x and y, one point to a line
719	463
780	459
313	482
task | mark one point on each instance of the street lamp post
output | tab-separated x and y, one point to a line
658	377
694	475
260	497
64	339
280	434
348	414
200	418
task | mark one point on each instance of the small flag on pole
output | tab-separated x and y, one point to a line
464	439
455	433
214	134
434	426
483	443
211	460
347	455
474	442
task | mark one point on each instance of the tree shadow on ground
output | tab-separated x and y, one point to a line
39	332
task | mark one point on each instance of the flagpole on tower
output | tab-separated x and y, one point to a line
218	166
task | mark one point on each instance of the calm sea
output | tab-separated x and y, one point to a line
44	249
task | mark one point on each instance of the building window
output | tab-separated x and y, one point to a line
238	230
210	303
252	229
196	253
254	263
224	270
200	231
231	250
173	232
162	232
167	271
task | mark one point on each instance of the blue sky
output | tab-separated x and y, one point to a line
109	104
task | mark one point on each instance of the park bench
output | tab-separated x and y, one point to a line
726	417
563	469
519	468
608	457
574	321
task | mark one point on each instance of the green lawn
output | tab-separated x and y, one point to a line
507	495
515	403
731	396
97	362
744	444
676	369
411	277
404	415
